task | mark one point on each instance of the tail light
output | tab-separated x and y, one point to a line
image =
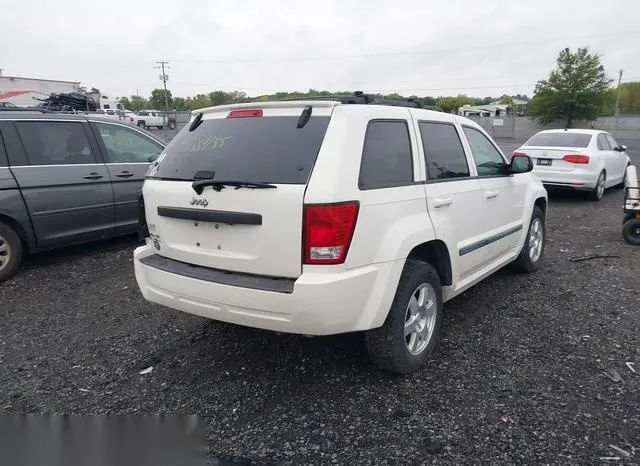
327	232
131	118
576	158
249	113
518	153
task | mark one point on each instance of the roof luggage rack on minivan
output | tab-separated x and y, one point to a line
359	97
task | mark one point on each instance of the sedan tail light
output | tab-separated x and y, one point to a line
576	158
327	232
518	153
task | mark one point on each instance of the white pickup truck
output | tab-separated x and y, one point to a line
148	119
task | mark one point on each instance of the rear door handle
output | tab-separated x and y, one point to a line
491	194
442	202
92	176
125	174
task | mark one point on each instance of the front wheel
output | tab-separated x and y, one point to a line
598	192
533	248
631	231
142	125
410	332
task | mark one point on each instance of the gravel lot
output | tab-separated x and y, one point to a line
519	376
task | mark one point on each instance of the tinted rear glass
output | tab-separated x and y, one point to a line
269	149
560	140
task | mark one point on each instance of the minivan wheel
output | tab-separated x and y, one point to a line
533	248
410	332
598	192
10	252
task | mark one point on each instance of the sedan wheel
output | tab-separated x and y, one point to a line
598	192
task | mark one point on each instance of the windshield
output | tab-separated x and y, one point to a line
269	149
559	140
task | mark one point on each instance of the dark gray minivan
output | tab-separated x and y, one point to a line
67	179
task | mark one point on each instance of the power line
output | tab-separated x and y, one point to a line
408	52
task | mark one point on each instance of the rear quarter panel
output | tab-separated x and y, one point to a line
12	207
391	221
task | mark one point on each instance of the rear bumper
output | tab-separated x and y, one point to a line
574	179
321	303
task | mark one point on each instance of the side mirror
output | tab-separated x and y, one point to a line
520	164
622	148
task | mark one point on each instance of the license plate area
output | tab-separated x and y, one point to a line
544	162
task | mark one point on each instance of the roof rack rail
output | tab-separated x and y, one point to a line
25	109
359	97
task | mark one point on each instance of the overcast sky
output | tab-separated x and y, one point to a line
423	47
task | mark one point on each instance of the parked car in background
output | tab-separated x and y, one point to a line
148	119
67	179
325	217
581	159
8	105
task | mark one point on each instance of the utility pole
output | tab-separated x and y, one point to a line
164	78
617	112
1	70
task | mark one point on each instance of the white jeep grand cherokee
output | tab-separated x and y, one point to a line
324	217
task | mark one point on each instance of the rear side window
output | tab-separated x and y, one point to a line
55	142
443	152
265	149
559	140
386	157
603	143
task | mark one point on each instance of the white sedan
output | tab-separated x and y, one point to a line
583	159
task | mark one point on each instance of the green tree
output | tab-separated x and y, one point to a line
138	103
157	100
178	103
630	97
506	100
608	105
452	104
126	103
220	98
573	91
196	102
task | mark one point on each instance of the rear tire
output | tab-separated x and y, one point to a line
410	332
533	250
598	192
631	231
172	124
10	252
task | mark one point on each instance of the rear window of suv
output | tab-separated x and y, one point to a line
559	140
267	149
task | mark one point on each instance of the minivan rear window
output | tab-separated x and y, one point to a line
559	140
264	149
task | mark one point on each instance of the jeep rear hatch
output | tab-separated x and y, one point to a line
229	194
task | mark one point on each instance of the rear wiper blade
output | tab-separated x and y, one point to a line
199	185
